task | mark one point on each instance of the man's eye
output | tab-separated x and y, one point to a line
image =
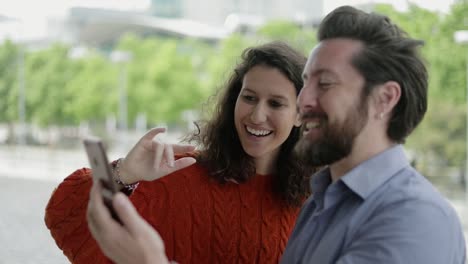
325	84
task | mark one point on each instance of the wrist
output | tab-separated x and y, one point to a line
124	175
119	178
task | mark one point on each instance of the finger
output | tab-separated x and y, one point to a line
179	148
95	199
158	153
105	230
183	162
146	140
153	132
96	213
91	209
169	155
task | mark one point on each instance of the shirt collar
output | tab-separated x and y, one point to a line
320	181
372	173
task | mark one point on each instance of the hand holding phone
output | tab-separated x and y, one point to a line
101	171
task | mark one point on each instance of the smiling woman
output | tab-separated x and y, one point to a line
265	114
237	203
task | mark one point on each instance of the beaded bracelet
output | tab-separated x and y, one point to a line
116	170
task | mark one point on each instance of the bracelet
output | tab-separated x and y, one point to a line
116	170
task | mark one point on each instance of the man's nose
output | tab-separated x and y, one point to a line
307	98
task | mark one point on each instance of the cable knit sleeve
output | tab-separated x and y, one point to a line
65	217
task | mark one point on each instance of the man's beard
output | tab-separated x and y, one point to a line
336	141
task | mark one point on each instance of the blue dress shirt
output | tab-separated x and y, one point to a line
382	211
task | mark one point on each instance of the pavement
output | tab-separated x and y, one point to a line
28	176
24	237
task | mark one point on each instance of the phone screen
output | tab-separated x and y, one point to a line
101	171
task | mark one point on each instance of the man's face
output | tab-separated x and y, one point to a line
331	104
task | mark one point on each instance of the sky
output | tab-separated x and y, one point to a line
32	15
433	5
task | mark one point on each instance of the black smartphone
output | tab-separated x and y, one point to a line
101	171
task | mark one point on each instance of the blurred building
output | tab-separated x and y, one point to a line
103	27
210	20
216	12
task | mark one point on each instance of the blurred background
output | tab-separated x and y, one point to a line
115	68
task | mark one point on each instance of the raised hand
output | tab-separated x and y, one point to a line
152	159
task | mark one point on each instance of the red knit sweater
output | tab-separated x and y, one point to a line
200	220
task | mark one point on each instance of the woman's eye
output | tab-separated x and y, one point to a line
275	104
248	98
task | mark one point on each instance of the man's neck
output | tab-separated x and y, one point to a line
362	150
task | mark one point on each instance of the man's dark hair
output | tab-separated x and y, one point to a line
222	153
388	55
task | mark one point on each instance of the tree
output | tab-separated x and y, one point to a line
162	79
299	37
48	72
8	82
440	139
223	60
91	89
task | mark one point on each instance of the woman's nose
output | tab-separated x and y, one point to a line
258	114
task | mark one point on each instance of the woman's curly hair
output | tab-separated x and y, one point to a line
221	150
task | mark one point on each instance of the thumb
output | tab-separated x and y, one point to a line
139	229
134	223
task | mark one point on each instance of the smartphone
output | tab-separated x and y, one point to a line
101	171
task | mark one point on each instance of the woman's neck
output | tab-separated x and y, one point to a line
266	165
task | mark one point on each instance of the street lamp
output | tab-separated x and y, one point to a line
122	57
461	37
20	39
21	95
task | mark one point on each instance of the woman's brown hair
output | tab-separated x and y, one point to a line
221	150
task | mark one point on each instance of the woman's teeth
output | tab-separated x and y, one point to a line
258	133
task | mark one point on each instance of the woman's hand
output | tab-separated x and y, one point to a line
151	159
133	242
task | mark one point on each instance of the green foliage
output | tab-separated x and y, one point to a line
167	76
162	78
303	39
8	84
92	90
223	60
440	140
450	59
47	74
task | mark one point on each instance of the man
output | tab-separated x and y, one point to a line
365	90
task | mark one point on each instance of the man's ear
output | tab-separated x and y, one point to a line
387	96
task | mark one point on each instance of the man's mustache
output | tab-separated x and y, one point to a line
313	114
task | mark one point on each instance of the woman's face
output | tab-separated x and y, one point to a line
265	113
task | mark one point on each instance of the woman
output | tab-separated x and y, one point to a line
238	202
